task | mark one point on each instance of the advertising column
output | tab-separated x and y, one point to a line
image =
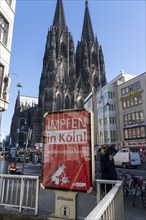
67	151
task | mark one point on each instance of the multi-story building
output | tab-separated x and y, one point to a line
7	13
132	111
108	125
121	112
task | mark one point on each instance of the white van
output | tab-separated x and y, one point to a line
127	159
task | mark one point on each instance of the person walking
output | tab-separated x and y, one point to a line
107	166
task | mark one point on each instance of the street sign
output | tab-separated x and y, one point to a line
67	151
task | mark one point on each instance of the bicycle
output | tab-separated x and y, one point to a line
140	190
128	183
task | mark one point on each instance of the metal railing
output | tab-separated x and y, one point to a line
19	191
109	205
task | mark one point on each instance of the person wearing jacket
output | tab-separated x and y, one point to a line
107	166
13	168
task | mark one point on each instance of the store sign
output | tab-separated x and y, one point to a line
134	125
131	94
67	151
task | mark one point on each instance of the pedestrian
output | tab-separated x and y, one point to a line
107	166
13	168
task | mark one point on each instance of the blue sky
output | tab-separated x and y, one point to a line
119	25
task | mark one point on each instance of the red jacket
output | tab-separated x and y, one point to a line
13	166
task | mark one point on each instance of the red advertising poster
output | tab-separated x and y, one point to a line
67	151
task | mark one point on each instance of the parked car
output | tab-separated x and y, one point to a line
20	158
127	159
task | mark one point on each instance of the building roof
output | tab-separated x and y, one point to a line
122	77
27	100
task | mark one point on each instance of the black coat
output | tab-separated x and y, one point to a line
108	170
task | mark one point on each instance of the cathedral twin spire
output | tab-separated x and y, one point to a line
60	22
59	18
68	77
87	32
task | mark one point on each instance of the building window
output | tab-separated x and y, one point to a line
123	91
139	99
111	94
142	131
113	135
3	30
128	103
133	132
127	90
135	100
138	85
125	119
138	132
1	77
137	116
105	121
112	107
100	136
141	116
133	118
129	118
112	120
124	104
131	102
126	133
106	136
130	133
130	88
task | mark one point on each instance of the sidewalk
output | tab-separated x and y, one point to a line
134	213
138	212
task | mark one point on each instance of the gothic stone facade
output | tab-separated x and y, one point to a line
68	76
24	117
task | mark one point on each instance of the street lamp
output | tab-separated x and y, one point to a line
19	85
20	128
28	137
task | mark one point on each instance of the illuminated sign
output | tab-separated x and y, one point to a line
131	94
67	153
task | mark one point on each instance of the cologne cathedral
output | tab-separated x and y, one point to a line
68	76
